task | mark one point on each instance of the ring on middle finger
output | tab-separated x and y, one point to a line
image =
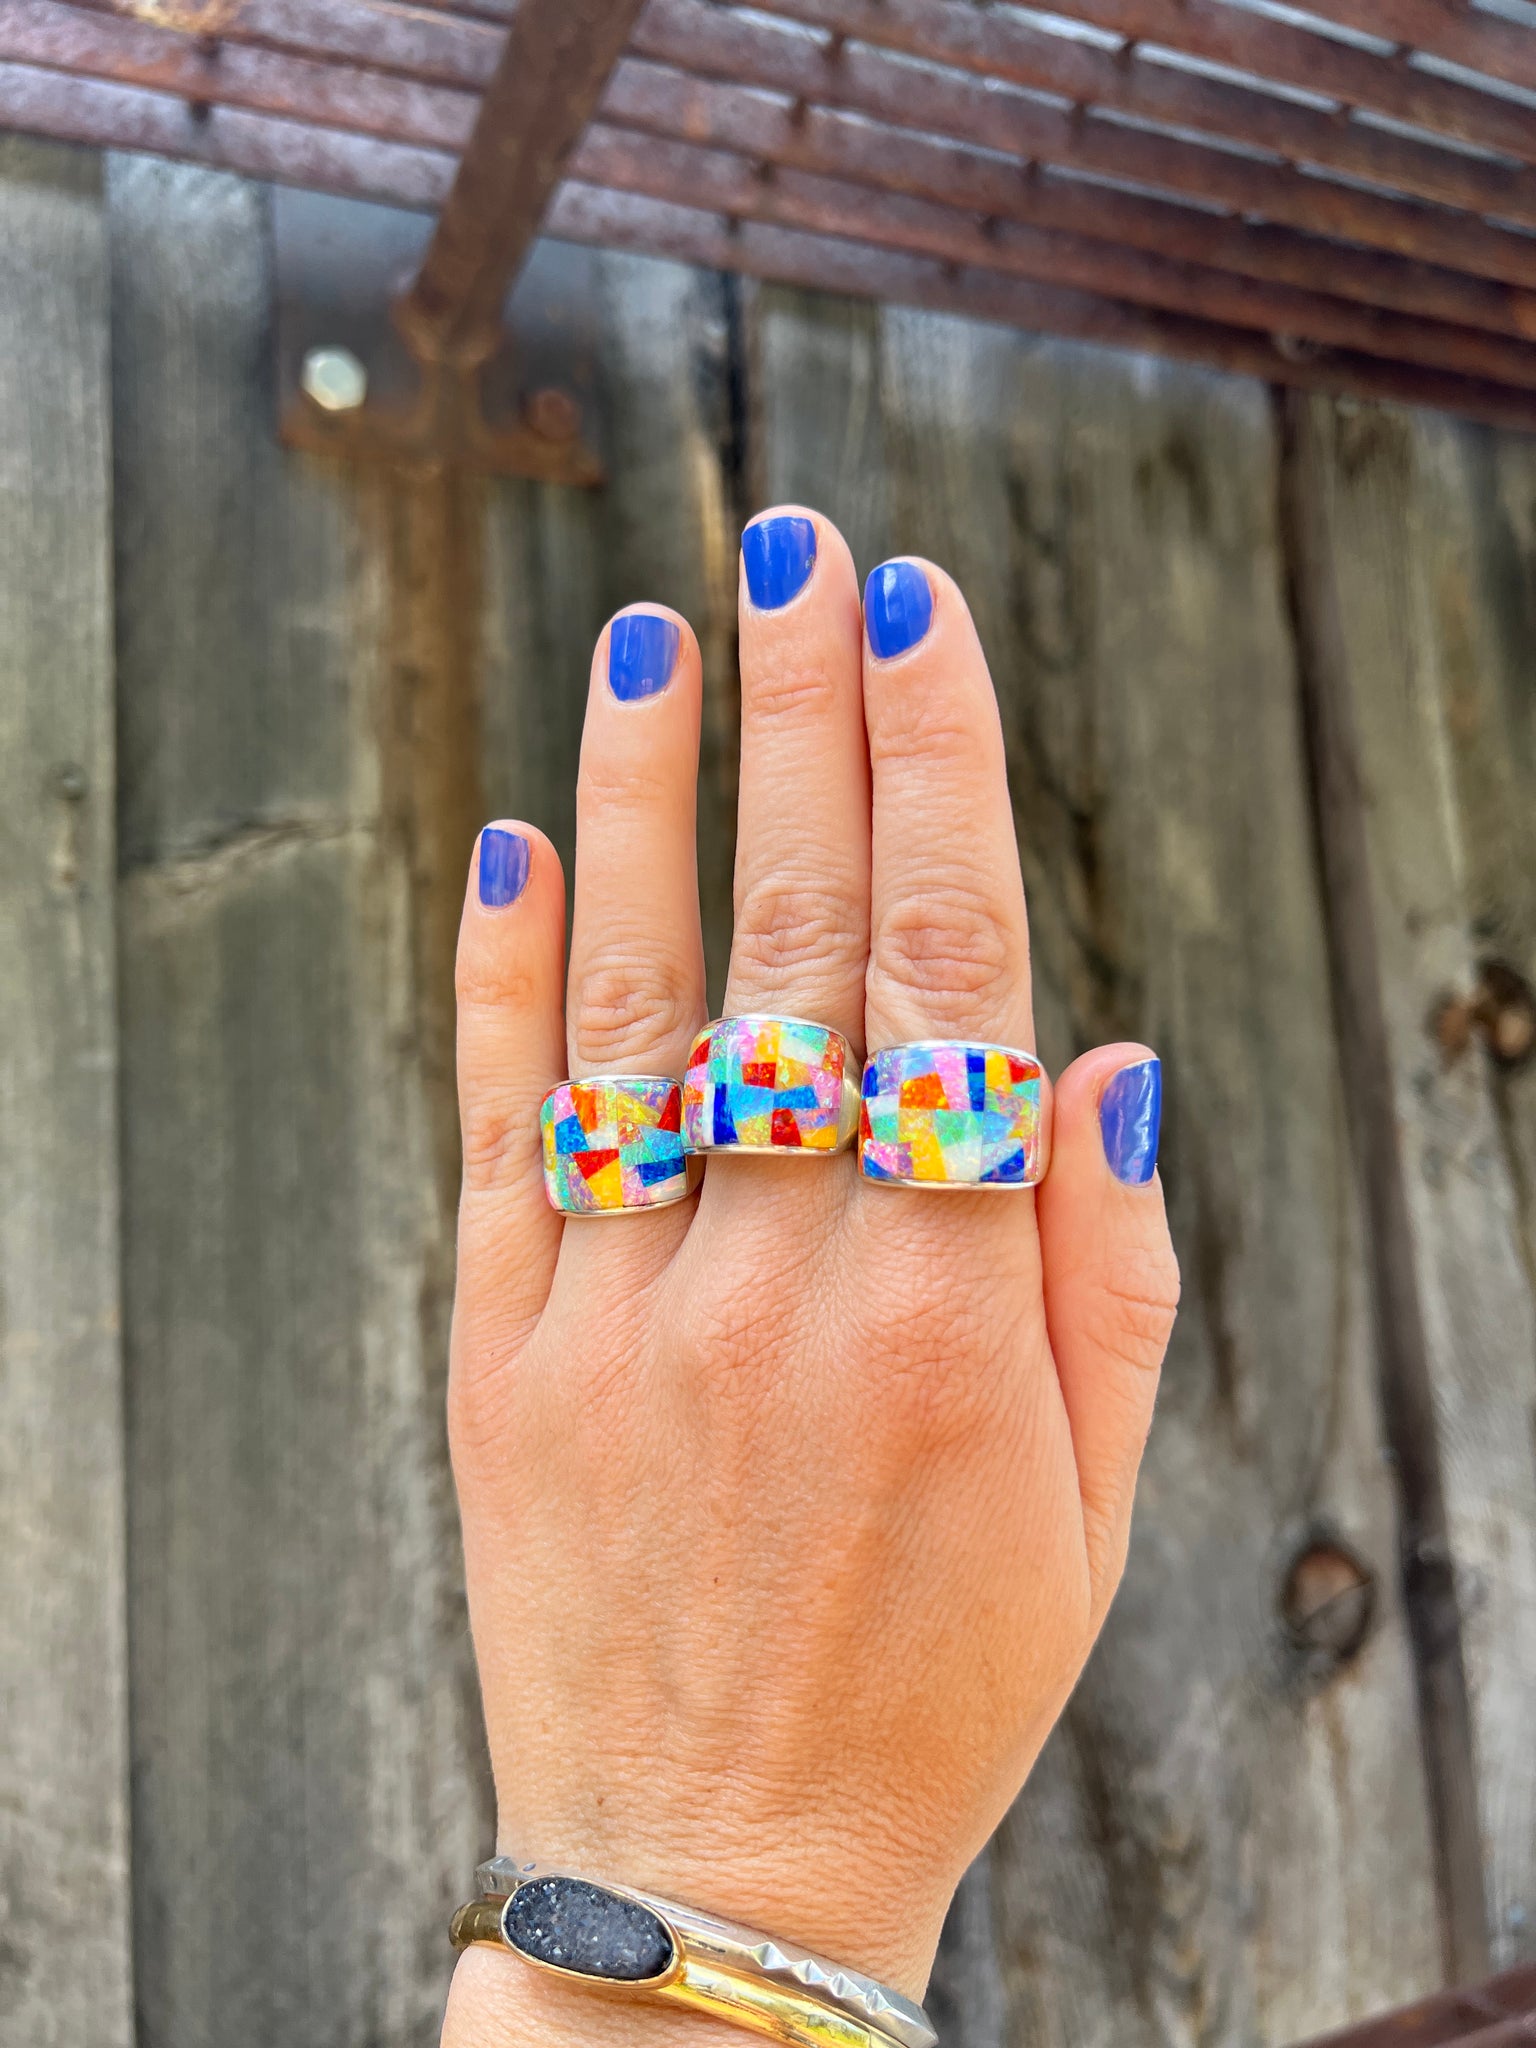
770	1084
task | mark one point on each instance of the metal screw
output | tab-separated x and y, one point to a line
334	379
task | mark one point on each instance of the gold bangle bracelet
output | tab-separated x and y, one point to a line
615	1940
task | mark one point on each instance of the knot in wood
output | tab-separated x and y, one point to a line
1328	1601
1500	1010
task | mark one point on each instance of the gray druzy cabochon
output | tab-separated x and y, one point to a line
573	1925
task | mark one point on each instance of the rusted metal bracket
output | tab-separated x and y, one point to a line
438	379
350	386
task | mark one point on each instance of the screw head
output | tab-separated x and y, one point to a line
334	379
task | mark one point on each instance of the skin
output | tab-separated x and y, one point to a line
790	1512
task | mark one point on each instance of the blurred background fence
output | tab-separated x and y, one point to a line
1268	674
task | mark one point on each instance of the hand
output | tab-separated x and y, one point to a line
790	1513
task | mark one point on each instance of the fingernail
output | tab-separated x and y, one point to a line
779	555
1130	1113
898	606
642	647
503	866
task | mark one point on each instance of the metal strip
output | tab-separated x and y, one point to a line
662	100
557	58
1236	37
707	40
256	145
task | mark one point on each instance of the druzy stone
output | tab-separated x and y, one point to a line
573	1925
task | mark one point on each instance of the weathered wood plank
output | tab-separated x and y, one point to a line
659	339
1227	1840
64	1977
306	1729
1434	556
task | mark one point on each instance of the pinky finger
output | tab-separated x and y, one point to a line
1111	1282
511	1051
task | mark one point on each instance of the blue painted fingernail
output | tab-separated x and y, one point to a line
503	866
642	647
779	555
1130	1113
898	607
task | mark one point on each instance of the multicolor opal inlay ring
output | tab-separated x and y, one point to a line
947	1114
770	1084
614	1143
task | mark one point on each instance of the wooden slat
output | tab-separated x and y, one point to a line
706	39
661	100
1361	1003
676	172
67	1976
1319	64
656	344
1434	550
288	80
711	41
306	1731
1199	1853
1240	39
1474	37
357	167
620	220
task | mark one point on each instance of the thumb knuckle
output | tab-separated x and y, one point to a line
1136	1303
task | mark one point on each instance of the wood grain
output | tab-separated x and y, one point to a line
323	682
1432	539
64	1978
305	1723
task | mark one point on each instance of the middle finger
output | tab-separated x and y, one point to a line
801	942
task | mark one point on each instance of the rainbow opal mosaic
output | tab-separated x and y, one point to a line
956	1115
766	1084
613	1144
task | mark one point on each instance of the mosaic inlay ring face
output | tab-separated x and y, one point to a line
769	1084
614	1143
954	1115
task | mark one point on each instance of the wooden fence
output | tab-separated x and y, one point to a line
1269	681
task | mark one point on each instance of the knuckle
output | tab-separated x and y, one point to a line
785	922
500	1143
1136	1304
494	984
623	1006
788	689
618	791
947	945
926	739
